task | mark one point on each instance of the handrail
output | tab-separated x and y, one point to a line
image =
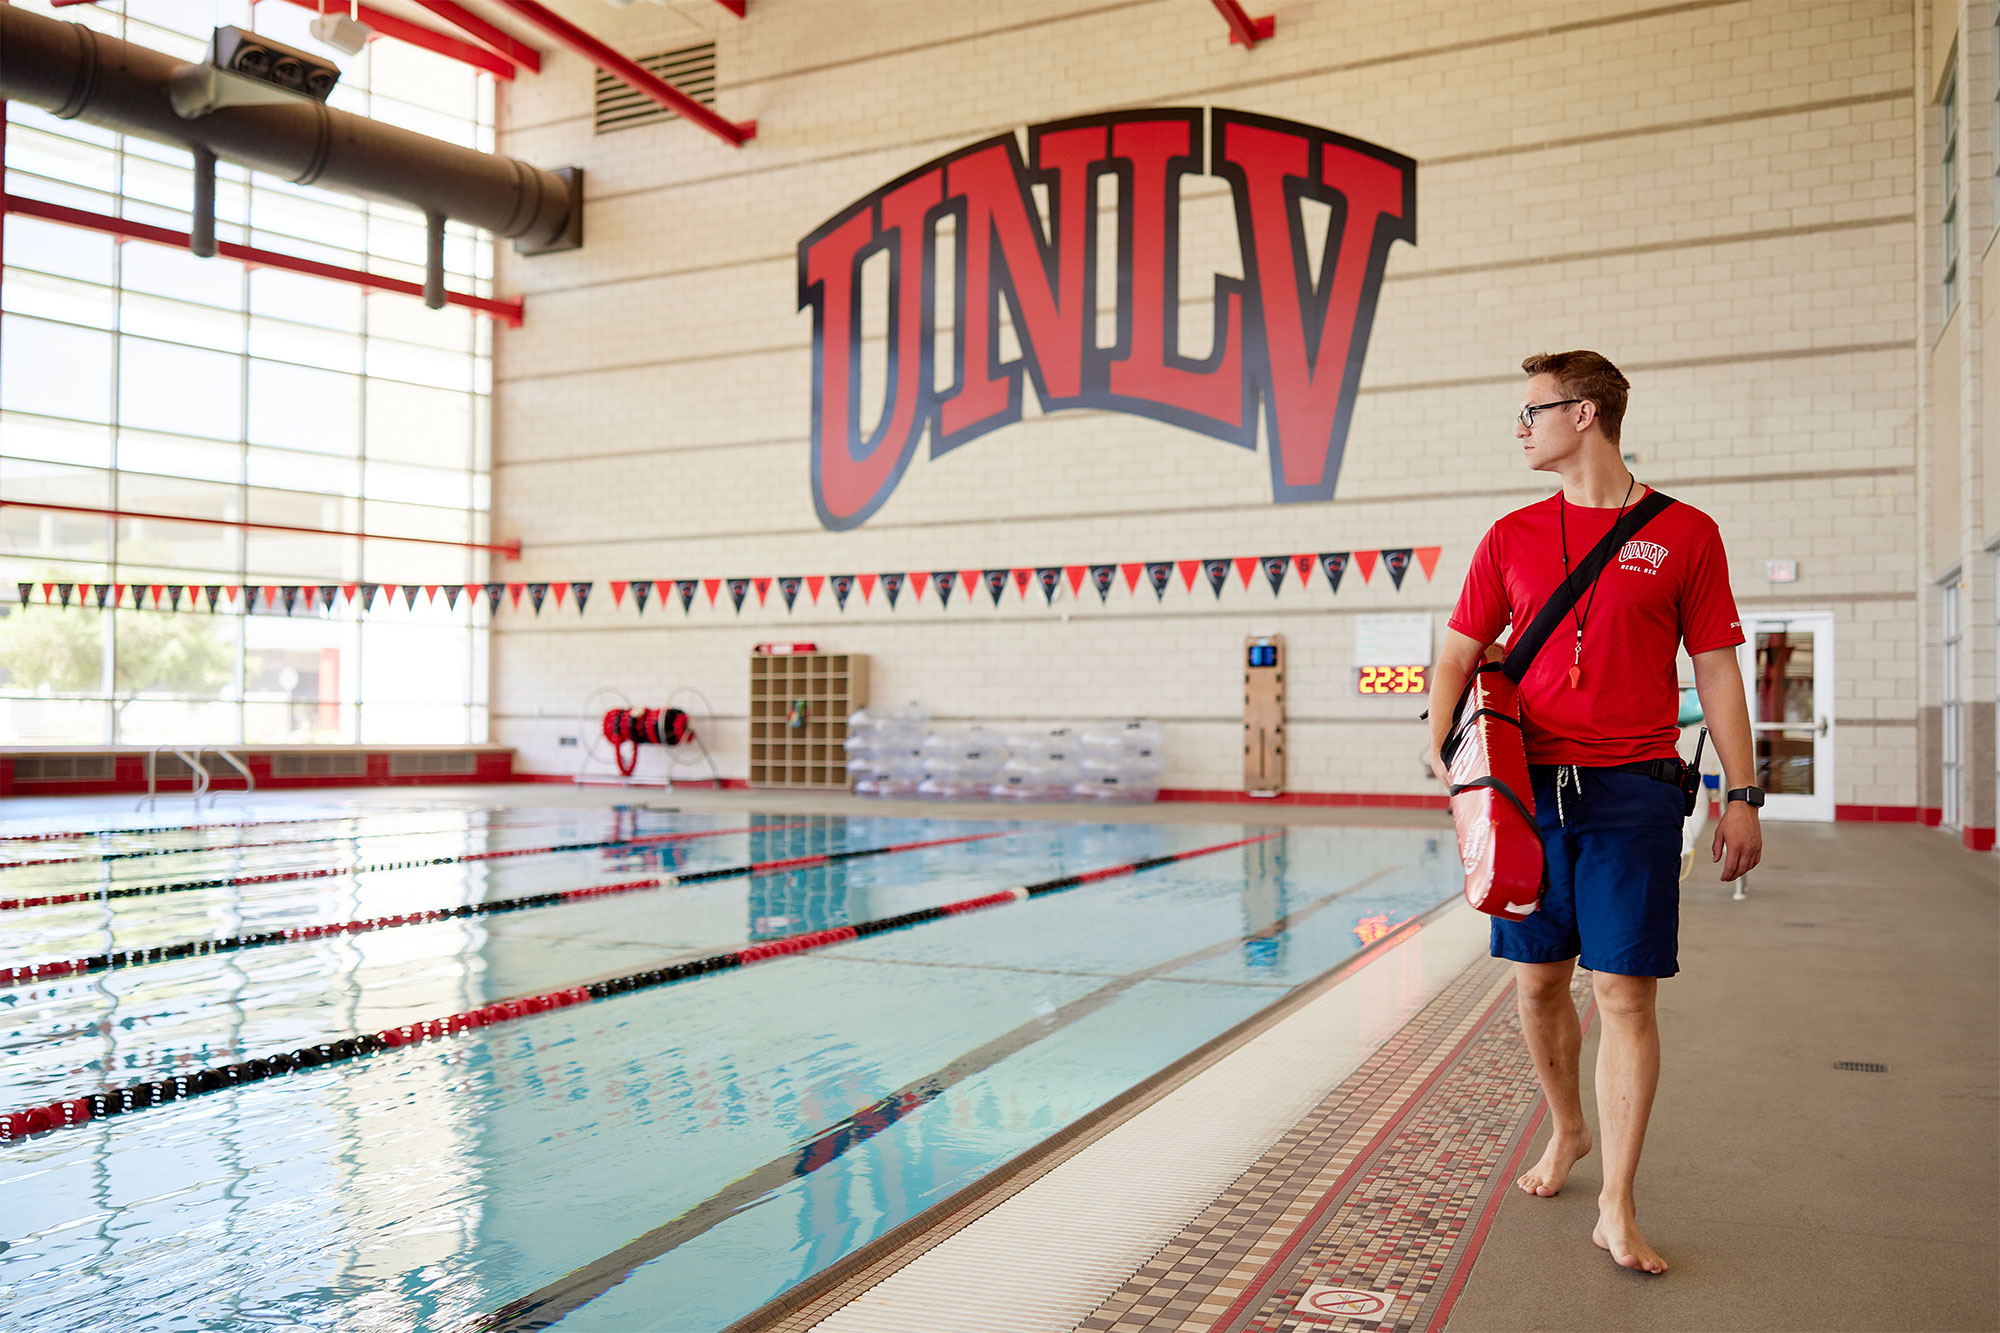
198	774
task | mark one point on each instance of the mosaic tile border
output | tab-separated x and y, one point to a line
806	1305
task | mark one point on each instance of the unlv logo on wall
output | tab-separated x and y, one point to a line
1281	340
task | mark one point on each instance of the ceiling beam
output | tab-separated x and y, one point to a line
506	43
416	34
1245	31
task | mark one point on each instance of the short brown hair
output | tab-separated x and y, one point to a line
1587	375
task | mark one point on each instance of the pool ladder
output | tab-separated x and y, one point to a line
198	772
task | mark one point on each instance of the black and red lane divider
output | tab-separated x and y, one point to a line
158	1092
166	953
93	858
333	872
185	828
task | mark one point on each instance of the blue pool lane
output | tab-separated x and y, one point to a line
694	1149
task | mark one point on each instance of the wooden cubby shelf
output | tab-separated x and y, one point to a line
831	686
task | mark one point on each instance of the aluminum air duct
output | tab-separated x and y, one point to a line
80	74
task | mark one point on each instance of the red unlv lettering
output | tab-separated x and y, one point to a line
1280	339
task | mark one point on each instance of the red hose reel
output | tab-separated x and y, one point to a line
644	726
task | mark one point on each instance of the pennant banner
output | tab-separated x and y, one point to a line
1050	577
1101	577
945	580
892	588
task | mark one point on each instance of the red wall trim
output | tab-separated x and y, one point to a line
1879	814
1933	816
1977	839
129	773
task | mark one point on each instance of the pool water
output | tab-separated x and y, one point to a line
668	1159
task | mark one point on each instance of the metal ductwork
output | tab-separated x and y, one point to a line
79	74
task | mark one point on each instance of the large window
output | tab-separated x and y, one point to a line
139	379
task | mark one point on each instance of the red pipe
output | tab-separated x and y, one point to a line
508	45
1244	30
512	550
635	75
416	34
509	312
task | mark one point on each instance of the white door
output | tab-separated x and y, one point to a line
1787	662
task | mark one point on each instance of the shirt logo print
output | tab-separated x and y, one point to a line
1651	552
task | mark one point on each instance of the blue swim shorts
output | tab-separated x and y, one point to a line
1613	849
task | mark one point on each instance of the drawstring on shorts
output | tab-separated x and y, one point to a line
1566	776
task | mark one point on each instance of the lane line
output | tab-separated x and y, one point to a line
96	858
335	872
139	1096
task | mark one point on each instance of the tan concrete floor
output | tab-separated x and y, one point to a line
1786	1194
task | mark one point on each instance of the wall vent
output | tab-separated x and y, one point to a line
1860	1067
690	69
69	768
319	765
456	763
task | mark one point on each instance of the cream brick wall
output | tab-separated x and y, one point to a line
1720	197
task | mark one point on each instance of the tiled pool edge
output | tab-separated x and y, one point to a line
1438	945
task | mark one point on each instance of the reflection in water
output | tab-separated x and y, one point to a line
424	1187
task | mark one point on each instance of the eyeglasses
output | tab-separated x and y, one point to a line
1526	416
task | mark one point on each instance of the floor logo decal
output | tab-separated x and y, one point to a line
1324	1302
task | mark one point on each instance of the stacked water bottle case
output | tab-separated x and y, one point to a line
899	752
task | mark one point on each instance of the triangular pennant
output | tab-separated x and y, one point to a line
711	587
685	590
99	590
63	590
970	579
582	591
117	594
1217	569
1076	575
327	592
641	590
350	590
365	594
48	594
1427	556
946	580
867	587
1397	562
1334	563
1050	577
763	587
513	594
287	592
1132	570
1021	577
27	591
453	591
738	589
1245	566
1102	577
996	583
493	591
1274	571
618	587
918	578
842	585
159	594
309	593
1304	564
1159	573
556	588
665	588
409	591
537	593
788	588
813	585
1189	568
892	587
1366	559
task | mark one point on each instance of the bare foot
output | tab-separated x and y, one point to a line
1618	1232
1545	1178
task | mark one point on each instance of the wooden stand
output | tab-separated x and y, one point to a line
817	692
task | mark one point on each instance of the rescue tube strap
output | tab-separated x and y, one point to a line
1497	785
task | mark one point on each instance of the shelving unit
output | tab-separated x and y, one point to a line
812	755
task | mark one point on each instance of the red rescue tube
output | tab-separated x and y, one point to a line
1492	801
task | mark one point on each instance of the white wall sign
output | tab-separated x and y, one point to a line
1393	640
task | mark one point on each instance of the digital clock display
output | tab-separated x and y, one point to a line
1392	680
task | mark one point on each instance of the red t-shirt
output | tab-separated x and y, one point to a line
1669	584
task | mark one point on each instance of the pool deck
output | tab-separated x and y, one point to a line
1786	1193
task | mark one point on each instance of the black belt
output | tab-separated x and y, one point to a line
1660	770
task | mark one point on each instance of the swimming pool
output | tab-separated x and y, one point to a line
665	1158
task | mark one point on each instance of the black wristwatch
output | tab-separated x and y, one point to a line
1752	796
